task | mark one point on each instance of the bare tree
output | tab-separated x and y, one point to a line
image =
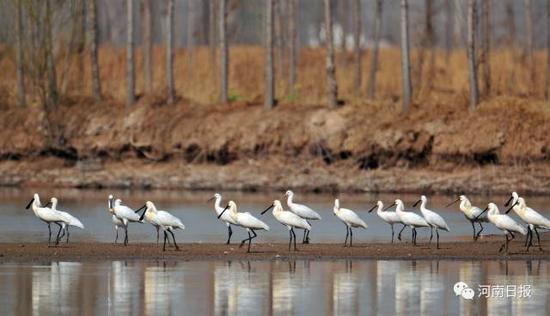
332	86
224	53
486	45
19	54
357	24
427	45
50	63
130	75
448	30
547	49
528	51
292	43
170	51
212	30
96	82
147	45
405	61
472	65
269	82
371	90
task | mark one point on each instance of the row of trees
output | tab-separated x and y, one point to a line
33	28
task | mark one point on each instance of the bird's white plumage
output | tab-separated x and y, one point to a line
409	218
226	217
387	216
471	212
347	216
529	215
432	218
161	218
245	219
503	221
124	213
45	213
69	219
289	219
299	209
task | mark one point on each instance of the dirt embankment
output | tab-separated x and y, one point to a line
439	146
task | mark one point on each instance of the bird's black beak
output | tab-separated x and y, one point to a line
210	199
48	204
453	202
110	203
142	214
139	209
485	210
225	209
267	209
29	205
372	208
389	206
416	203
510	208
509	200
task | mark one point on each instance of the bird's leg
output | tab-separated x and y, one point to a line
307	237
50	234
290	238
63	228
347	233
479	232
437	233
538	238
58	232
504	244
116	230
174	238
431	235
157	234
67	229
412	236
245	240
402	229
350	237
165	237
392	233
229	233
526	244
250	240
474	228
126	235
294	234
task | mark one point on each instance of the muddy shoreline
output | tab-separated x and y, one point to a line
482	250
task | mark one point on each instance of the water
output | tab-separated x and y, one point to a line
90	206
268	287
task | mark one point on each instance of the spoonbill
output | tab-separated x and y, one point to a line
303	211
387	216
432	218
472	214
410	219
47	215
533	218
125	214
504	223
166	221
117	222
350	219
289	219
70	219
245	220
226	218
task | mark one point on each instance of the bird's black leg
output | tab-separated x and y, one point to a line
290	238
174	238
527	237
350	237
431	235
245	240
307	237
62	233
474	228
399	235
250	240
58	232
165	237
67	229
229	233
392	233
479	232
50	234
125	235
437	233
294	234
347	234
412	236
157	227
538	238
504	244
116	237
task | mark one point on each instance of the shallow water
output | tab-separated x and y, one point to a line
90	206
268	287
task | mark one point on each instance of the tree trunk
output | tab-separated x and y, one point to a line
528	52
512	43
427	45
269	82
486	46
292	53
170	51
147	45
212	30
547	49
19	54
224	52
371	90
130	76
50	64
405	61
357	24
332	87
94	42
472	66
448	30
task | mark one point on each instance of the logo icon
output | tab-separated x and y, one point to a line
462	289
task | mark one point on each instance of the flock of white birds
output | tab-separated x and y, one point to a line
299	216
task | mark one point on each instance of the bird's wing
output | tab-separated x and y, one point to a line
390	217
166	219
73	221
351	217
475	213
291	219
436	219
304	211
507	223
247	220
534	217
123	211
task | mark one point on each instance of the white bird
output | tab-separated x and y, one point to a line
289	219
350	219
47	215
117	222
388	217
125	214
504	223
166	221
410	219
532	218
245	220
226	218
303	211
432	218
72	221
472	214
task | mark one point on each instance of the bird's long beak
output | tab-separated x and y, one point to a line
110	203
139	209
389	206
225	209
142	214
485	210
509	200
267	209
372	208
210	199
453	202
416	203
29	205
510	208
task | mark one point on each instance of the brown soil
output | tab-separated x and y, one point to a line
487	249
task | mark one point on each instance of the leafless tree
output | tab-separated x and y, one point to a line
528	51
93	26
147	44
269	81
130	75
50	63
170	51
371	90
486	45
448	29
292	46
427	45
19	54
472	64
332	86
212	30
224	52
405	60
357	25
